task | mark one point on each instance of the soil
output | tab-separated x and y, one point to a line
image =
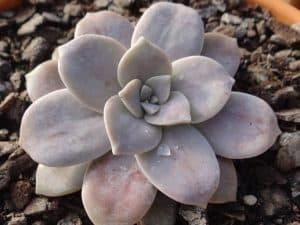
269	185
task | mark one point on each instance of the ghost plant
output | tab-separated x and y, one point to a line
146	94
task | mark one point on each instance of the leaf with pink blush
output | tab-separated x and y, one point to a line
246	127
106	23
178	30
185	152
115	191
56	130
88	67
43	79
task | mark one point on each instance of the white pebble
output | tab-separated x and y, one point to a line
250	200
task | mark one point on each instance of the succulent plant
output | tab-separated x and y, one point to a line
146	94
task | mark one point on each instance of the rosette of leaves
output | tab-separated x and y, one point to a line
122	112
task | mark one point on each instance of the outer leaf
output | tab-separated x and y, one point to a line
57	131
173	112
59	181
204	82
224	50
43	79
175	28
185	152
142	61
228	185
246	127
106	23
128	134
116	192
88	68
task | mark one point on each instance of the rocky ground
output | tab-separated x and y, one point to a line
269	185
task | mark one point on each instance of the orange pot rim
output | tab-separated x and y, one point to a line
280	9
9	4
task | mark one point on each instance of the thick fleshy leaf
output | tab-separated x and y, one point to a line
154	99
204	82
185	152
146	93
161	86
162	212
142	61
175	28
43	79
224	50
149	108
106	23
173	112
228	185
115	192
57	131
128	134
88	67
59	181
130	96
245	127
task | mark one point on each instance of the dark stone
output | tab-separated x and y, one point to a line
71	219
274	201
5	69
21	193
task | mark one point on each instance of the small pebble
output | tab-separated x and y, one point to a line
16	80
250	200
71	219
100	4
31	25
18	220
193	215
72	9
251	33
3	46
283	53
36	206
295	65
232	19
